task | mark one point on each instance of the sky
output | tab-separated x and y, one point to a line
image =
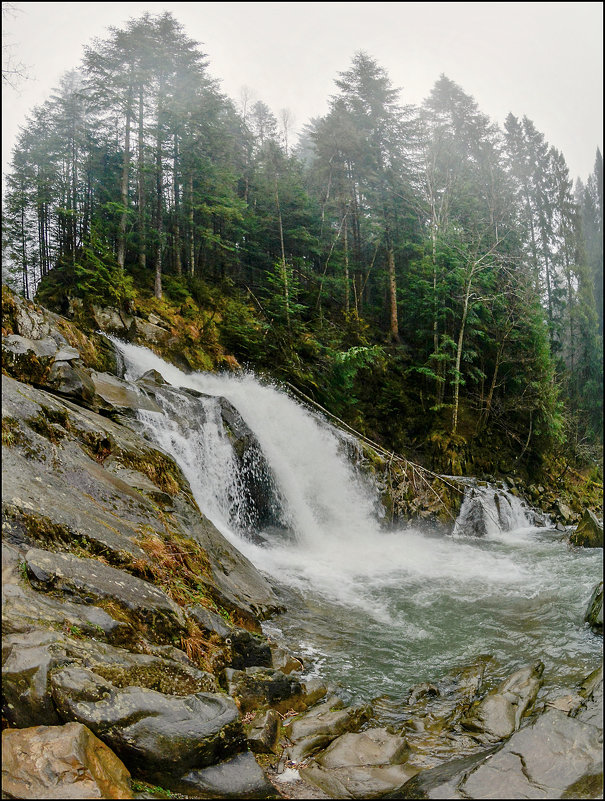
542	60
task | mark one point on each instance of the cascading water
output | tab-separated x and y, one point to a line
378	610
490	511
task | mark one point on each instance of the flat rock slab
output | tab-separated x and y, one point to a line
60	762
92	581
371	747
540	761
162	736
238	777
358	781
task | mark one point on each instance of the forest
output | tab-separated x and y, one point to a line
431	278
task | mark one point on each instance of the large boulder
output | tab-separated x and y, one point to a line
588	532
60	762
91	580
499	714
322	724
238	777
366	765
161	736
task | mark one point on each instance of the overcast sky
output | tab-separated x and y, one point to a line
543	60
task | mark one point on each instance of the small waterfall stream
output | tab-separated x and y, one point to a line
377	610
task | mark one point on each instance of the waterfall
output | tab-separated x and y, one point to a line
377	609
488	511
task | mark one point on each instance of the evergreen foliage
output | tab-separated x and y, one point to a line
431	278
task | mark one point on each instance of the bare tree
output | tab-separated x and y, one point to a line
13	70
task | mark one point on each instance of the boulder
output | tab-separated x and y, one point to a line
72	381
263	732
116	395
318	727
60	762
238	777
143	333
366	765
91	580
589	532
499	714
161	736
257	687
553	754
594	610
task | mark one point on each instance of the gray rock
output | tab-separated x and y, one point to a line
209	621
67	354
366	765
161	736
263	732
108	319
499	714
589	532
90	579
120	396
594	610
238	777
441	782
71	381
371	747
540	761
322	724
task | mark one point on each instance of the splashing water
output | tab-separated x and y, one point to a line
379	610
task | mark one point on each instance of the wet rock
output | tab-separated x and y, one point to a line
441	782
371	747
540	761
499	714
283	660
248	650
366	765
111	320
320	726
564	512
588	533
159	735
119	396
263	732
594	611
153	377
143	333
238	777
91	580
60	762
257	687
71	381
209	621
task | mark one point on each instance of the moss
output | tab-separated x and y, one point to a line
160	469
11	433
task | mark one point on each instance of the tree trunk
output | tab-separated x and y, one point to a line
159	205
283	254
141	186
459	352
346	249
177	212
191	233
393	321
121	255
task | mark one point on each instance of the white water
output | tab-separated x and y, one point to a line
383	608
